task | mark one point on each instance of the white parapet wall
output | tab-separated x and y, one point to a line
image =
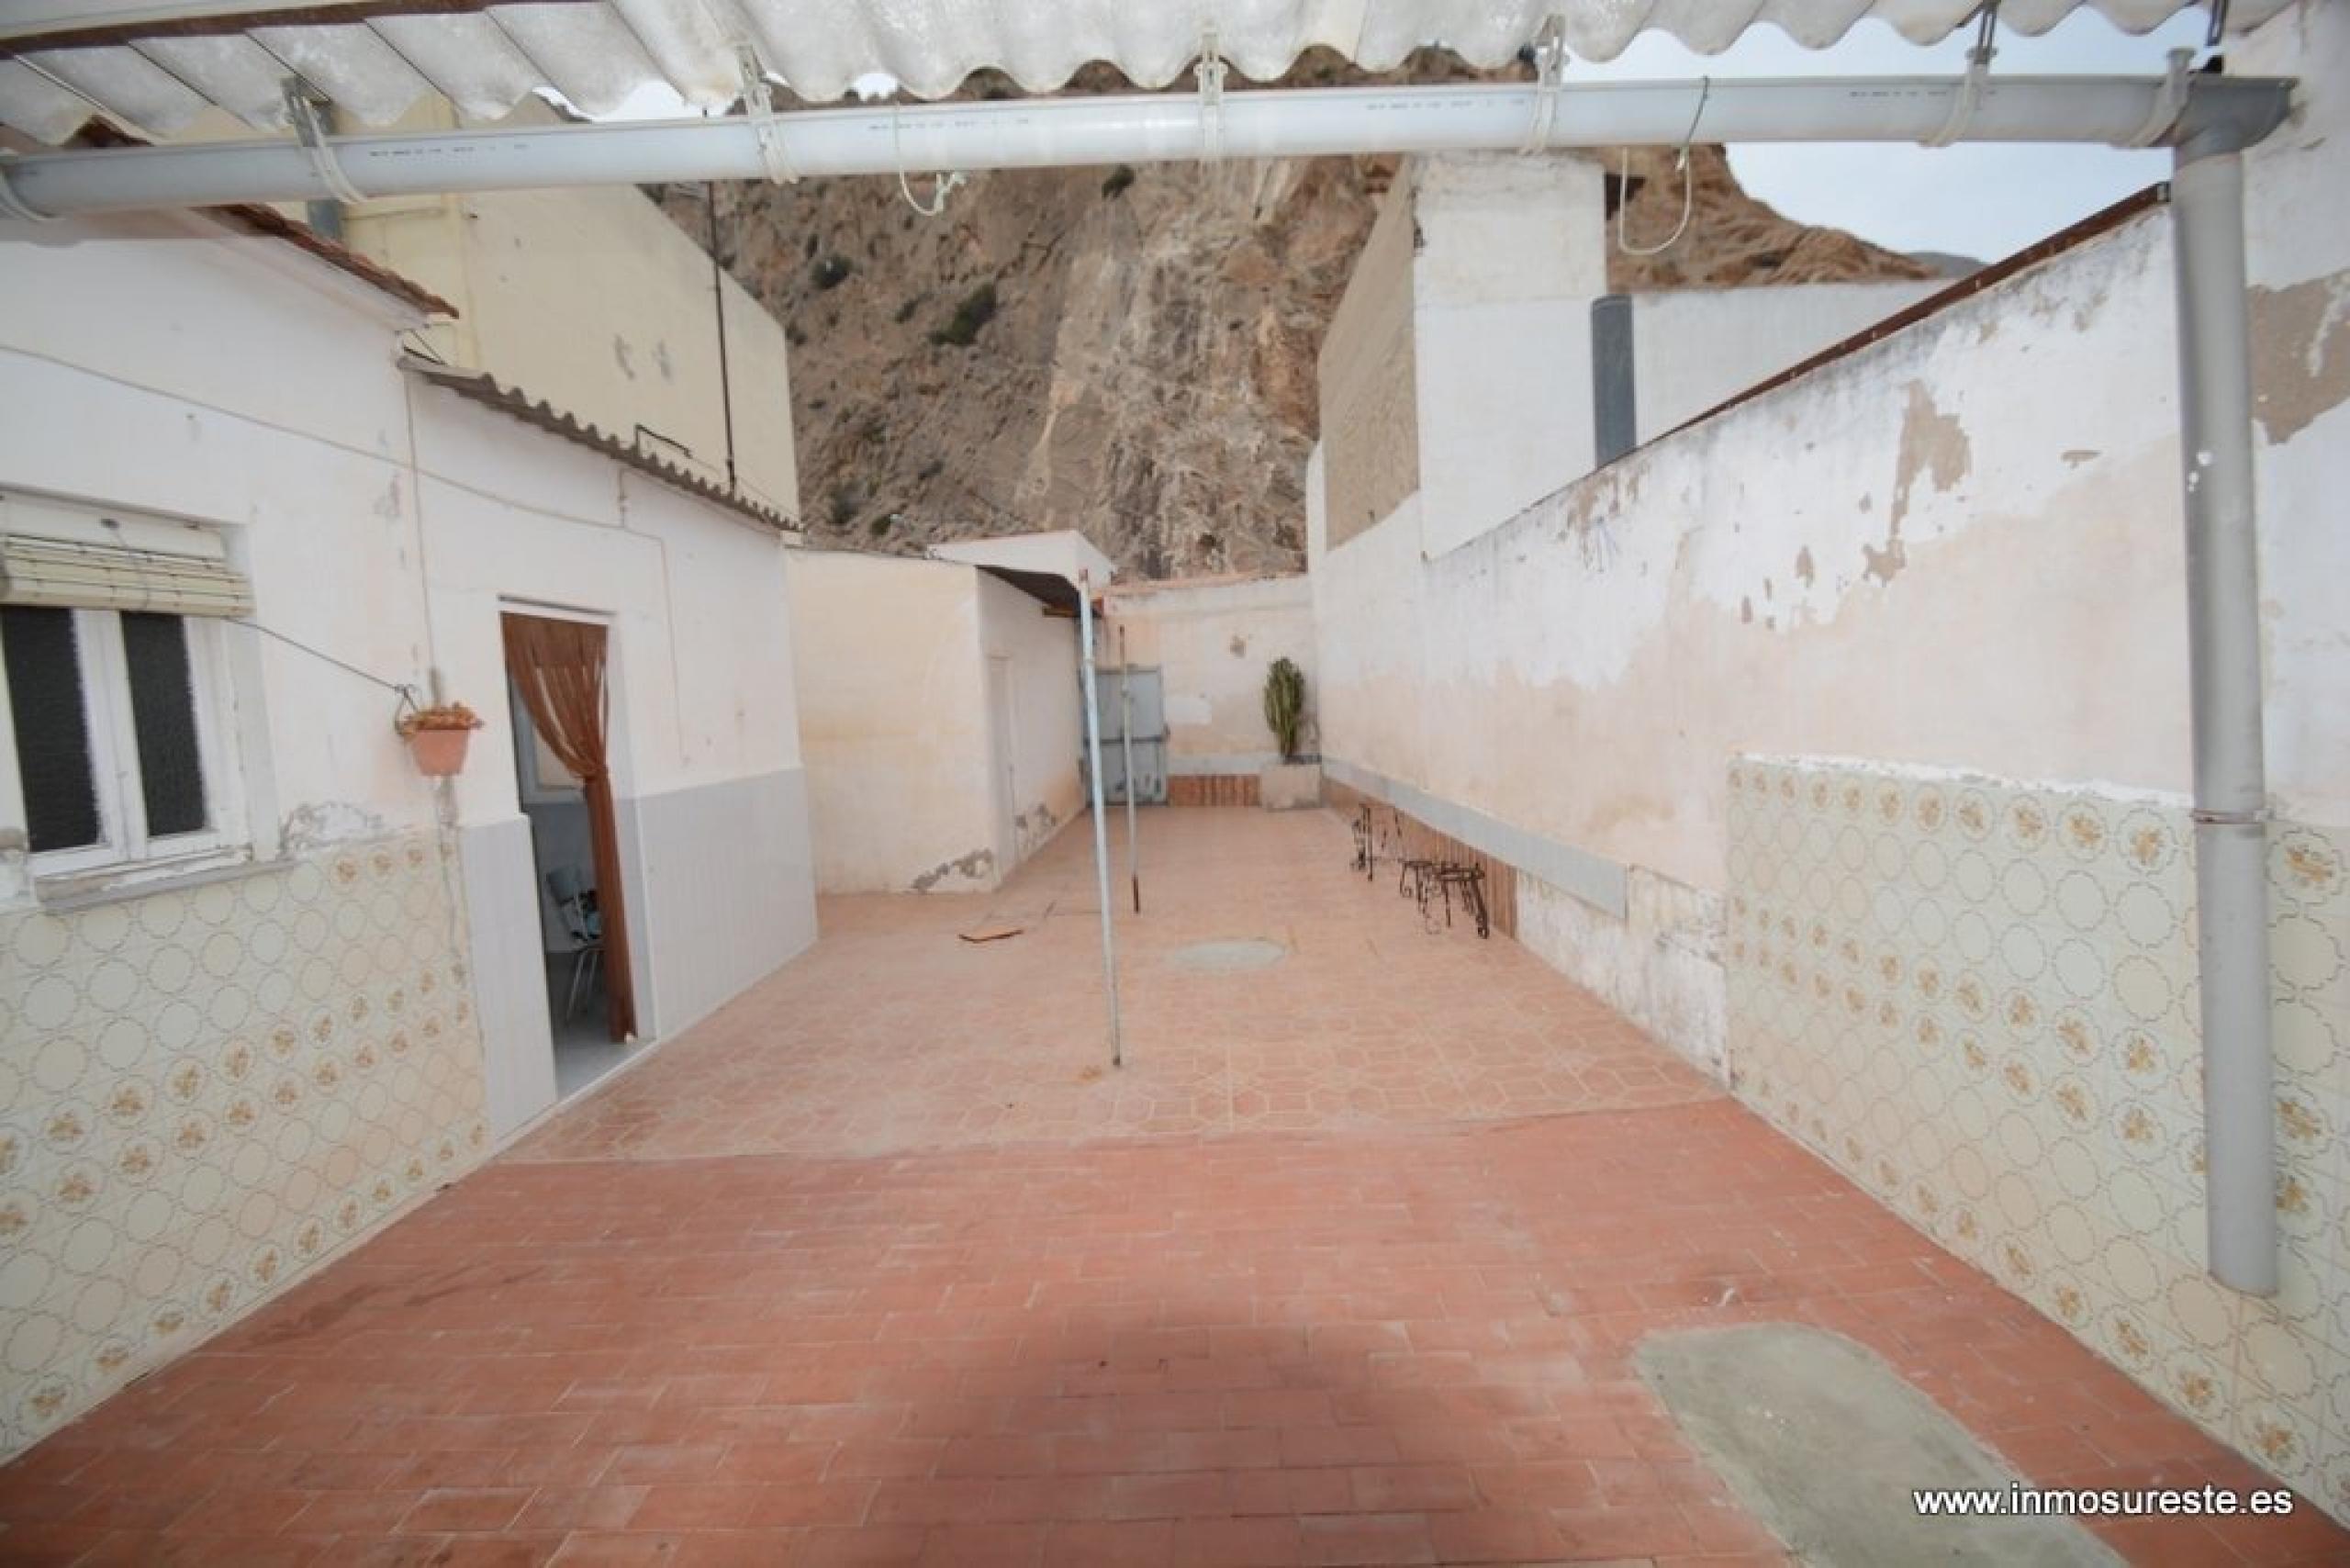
1508	254
1695	347
1944	574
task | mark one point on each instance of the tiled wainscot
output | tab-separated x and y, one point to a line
1977	999
205	1091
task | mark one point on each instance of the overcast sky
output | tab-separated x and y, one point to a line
1980	201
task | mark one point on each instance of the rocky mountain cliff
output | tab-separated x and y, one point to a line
1126	351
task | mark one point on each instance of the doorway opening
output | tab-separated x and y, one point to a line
559	701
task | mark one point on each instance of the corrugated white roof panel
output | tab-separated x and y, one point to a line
470	59
158	73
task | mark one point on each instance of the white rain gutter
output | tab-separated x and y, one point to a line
1152	128
2223	666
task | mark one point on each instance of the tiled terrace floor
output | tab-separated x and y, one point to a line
1374	1341
894	1034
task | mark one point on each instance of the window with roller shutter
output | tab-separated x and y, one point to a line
115	683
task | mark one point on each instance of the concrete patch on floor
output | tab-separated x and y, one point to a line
1225	957
1824	1443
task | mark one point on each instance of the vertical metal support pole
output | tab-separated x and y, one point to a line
1126	741
718	296
1101	832
2223	652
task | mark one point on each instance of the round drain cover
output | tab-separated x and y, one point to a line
1223	957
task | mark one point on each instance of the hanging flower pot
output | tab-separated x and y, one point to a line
439	736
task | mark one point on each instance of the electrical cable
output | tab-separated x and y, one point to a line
940	186
1689	184
406	692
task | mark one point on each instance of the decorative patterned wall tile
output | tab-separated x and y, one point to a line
205	1093
1978	999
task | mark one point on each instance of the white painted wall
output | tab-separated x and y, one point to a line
1695	347
256	389
1733	580
909	790
358	1014
1510	256
594	299
893	718
1960	546
1048	716
704	730
1212	641
2298	266
294	1058
1946	573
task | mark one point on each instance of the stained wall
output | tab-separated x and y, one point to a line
1212	641
1955	552
893	720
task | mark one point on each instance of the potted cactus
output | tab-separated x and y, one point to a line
1296	779
438	737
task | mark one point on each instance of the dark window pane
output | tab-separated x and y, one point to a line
163	713
52	735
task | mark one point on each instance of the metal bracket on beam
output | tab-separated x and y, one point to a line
758	104
1978	75
1551	70
1211	71
302	114
2169	104
2203	817
15	207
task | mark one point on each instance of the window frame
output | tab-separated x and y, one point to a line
124	843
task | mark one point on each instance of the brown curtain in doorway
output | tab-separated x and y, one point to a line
558	666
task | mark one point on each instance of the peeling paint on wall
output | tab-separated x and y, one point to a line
1569	632
1933	443
975	866
2301	354
318	824
1034	827
1660	965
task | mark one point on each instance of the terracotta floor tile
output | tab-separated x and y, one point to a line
1363	1539
1346	1265
1496	1535
1237	1543
449	1509
693	1506
1115	1544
